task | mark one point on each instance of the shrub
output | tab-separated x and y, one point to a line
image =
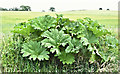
100	8
58	44
108	9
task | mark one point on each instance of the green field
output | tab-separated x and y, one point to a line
108	18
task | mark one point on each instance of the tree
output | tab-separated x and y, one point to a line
28	8
52	9
15	9
100	8
10	9
108	9
25	8
3	9
22	8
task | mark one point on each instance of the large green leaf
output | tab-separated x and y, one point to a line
96	28
25	30
74	46
54	39
75	28
67	58
35	51
99	32
44	23
62	21
111	41
91	37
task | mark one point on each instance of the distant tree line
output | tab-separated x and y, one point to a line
22	8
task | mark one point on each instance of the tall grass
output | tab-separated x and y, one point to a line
12	61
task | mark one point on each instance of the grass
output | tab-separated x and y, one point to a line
108	18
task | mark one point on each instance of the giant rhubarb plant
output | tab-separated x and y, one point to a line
65	38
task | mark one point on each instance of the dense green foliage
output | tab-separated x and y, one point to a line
63	40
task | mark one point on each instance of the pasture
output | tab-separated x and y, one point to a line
10	18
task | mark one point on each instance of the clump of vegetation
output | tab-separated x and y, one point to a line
48	44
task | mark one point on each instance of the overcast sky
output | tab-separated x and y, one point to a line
62	5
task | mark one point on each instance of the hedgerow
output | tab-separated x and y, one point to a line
61	42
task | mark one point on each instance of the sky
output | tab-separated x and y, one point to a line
62	5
